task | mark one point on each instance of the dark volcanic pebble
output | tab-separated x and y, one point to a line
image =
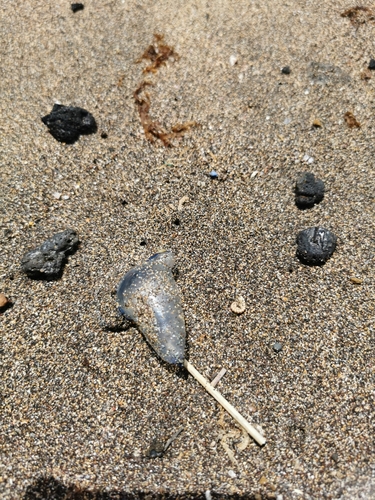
46	261
77	6
309	190
371	64
286	70
67	123
315	245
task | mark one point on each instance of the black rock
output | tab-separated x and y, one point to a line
315	245
67	123
371	64
309	190
77	6
286	70
47	261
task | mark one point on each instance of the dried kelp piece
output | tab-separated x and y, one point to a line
153	129
359	15
158	53
181	128
351	120
143	103
148	296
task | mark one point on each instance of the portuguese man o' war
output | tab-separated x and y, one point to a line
148	296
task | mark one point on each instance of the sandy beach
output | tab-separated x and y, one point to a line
83	396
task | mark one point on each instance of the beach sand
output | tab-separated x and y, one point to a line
82	396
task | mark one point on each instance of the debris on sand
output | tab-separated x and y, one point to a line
359	15
148	296
153	129
309	191
67	123
76	7
286	70
351	120
47	260
158	53
315	245
4	302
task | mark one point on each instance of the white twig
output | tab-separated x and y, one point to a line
225	404
218	377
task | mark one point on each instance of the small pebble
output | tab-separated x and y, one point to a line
214	174
315	245
232	474
47	261
309	191
4	302
233	60
77	6
277	346
308	159
67	123
156	449
371	64
286	70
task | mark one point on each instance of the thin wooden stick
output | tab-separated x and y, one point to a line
225	404
218	377
170	440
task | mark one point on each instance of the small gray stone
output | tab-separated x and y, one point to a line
315	245
47	261
277	346
156	449
309	190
